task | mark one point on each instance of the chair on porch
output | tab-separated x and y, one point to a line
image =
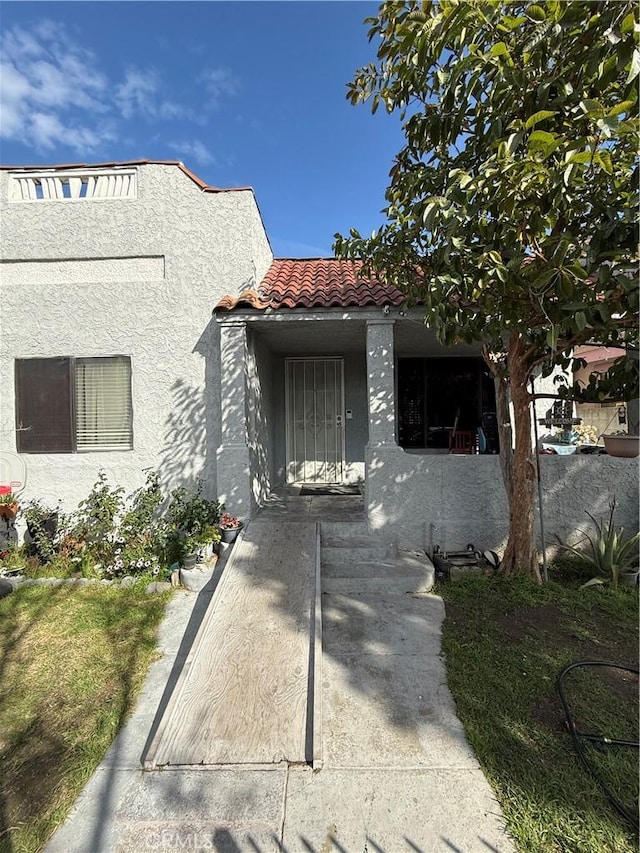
462	441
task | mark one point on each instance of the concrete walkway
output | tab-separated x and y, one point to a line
397	773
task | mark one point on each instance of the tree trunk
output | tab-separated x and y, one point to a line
495	363
503	416
520	555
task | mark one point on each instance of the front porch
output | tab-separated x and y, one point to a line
421	496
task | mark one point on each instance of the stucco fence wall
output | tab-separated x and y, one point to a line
451	501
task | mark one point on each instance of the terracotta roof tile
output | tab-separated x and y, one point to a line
246	299
314	283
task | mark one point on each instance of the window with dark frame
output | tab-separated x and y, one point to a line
438	396
73	405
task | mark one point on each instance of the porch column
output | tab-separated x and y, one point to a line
383	457
234	478
380	383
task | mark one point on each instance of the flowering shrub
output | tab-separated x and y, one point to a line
580	434
134	555
229	522
586	434
111	536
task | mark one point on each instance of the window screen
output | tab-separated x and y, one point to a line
67	405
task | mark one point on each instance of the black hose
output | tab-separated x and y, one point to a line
578	736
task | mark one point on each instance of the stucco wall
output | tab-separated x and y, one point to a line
259	417
157	313
451	500
357	428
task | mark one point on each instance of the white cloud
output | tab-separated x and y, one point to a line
195	149
137	93
219	83
55	93
48	131
48	88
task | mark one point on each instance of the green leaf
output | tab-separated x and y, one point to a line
635	66
623	107
583	157
581	320
593	581
536	13
577	270
592	108
541	115
566	286
603	158
543	278
541	138
499	49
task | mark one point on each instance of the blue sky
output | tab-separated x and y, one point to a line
244	93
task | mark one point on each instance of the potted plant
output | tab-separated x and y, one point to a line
192	551
192	521
8	506
42	524
230	526
622	444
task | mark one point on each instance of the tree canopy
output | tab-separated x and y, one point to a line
512	209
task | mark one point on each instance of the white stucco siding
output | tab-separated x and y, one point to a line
178	250
260	418
451	500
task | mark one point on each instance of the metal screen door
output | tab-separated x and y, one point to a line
315	420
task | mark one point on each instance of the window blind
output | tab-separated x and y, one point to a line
103	404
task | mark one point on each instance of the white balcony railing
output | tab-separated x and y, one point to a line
74	185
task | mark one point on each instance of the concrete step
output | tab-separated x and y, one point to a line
342	530
348	554
408	571
356	540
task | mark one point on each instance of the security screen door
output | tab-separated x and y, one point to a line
315	420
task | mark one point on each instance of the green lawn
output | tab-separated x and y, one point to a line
72	661
505	644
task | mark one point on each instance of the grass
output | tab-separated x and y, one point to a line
72	661
505	645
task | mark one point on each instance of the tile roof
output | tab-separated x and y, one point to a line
63	166
314	283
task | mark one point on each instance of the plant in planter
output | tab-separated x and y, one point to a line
622	444
193	520
608	552
8	506
230	526
42	524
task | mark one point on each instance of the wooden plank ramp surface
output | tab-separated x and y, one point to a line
244	695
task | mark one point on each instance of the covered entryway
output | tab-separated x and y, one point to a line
315	420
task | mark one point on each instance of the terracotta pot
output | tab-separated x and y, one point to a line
9	511
627	446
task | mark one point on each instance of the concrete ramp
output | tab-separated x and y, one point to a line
245	694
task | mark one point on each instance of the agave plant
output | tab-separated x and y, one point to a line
608	552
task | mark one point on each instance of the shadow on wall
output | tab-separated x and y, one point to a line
260	419
451	501
192	430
